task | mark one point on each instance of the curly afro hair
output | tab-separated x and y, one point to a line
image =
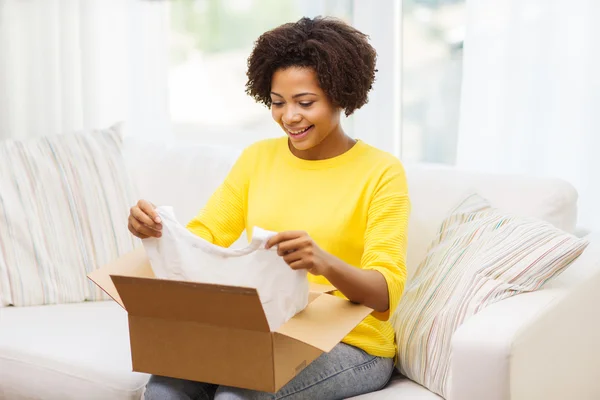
341	56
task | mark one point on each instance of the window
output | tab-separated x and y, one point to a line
432	39
210	43
412	112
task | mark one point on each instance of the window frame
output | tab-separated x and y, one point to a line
381	117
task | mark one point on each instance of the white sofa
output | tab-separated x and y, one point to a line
542	345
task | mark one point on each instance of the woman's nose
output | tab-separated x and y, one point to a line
291	117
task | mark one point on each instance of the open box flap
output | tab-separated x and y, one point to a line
325	322
317	289
135	263
224	306
320	288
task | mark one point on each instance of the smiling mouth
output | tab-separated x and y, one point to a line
298	132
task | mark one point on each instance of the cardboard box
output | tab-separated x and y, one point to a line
219	334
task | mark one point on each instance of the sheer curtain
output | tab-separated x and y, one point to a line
531	93
67	65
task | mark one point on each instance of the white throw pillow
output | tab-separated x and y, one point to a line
64	202
480	256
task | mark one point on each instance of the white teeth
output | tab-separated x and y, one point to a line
298	132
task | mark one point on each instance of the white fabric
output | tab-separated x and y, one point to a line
67	352
68	65
435	190
531	92
537	346
178	254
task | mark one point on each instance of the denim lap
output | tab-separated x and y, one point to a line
344	372
162	387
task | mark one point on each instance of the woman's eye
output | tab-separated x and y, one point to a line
307	104
276	103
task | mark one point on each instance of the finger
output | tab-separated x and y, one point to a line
135	233
299	264
149	209
275	240
292	257
144	218
283	236
139	228
291	245
143	229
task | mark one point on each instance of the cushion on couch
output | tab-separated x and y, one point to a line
84	353
400	388
64	202
435	190
481	255
177	174
67	351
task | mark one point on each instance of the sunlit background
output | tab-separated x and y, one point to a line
211	38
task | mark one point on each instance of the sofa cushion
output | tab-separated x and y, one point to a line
81	351
481	255
400	388
64	202
67	351
178	174
435	190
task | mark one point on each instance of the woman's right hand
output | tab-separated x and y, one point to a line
144	221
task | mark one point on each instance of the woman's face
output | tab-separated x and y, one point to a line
301	108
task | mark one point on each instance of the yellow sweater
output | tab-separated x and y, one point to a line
354	206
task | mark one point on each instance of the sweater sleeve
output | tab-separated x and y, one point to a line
386	235
223	218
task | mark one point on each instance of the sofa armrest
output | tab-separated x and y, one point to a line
540	345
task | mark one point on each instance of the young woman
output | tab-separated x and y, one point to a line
340	206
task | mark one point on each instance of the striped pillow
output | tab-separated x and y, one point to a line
480	256
64	202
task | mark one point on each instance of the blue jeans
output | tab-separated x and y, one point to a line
344	372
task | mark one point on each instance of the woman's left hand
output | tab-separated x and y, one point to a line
300	252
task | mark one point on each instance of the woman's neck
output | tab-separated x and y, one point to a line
334	144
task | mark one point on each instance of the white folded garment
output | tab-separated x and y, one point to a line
181	255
